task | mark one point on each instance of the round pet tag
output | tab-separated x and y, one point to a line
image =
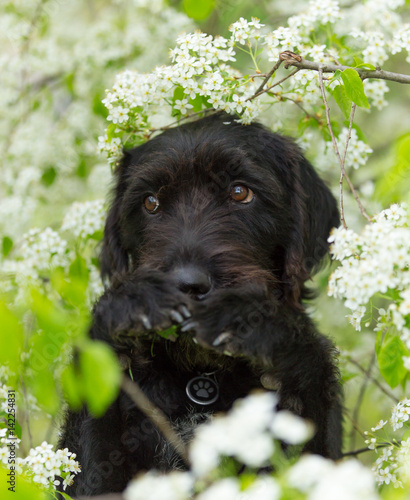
202	390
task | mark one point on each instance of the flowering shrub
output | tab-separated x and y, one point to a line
306	78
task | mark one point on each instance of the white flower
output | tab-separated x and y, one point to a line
243	433
308	471
263	488
84	219
379	426
154	486
183	106
400	414
225	489
290	428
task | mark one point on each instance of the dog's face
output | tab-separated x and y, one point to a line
216	204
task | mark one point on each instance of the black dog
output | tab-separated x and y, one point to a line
215	227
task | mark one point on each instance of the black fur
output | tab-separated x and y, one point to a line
238	268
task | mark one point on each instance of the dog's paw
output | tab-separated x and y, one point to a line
144	302
230	321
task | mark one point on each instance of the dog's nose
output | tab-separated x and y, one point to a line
192	280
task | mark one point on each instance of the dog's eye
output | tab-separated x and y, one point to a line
242	194
151	204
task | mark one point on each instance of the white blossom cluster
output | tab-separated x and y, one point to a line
40	251
319	478
400	414
375	52
199	69
46	466
42	464
47	122
154	486
357	153
246	434
200	77
85	219
393	463
373	262
401	40
375	91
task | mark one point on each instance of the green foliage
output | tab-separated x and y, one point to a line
390	357
394	184
343	100
7	245
198	9
25	488
354	87
93	377
11	339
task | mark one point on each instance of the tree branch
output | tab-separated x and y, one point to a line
133	390
340	159
375	381
363	73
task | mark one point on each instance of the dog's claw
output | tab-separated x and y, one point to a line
184	311
222	339
189	325
176	316
146	322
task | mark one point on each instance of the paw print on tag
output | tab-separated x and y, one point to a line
202	390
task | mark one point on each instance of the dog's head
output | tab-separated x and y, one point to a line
216	203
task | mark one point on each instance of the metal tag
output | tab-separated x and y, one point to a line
202	390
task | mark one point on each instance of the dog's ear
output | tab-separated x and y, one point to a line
114	258
314	212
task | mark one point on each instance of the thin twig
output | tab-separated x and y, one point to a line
374	380
260	92
362	450
355	426
27	412
156	415
342	165
308	115
363	73
335	147
268	76
356	411
186	117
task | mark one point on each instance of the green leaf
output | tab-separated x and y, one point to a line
197	103
4	420
112	127
359	63
11	339
394	185
198	9
49	176
343	100
169	333
72	386
346	376
101	376
354	87
24	488
390	358
178	94
7	245
44	390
